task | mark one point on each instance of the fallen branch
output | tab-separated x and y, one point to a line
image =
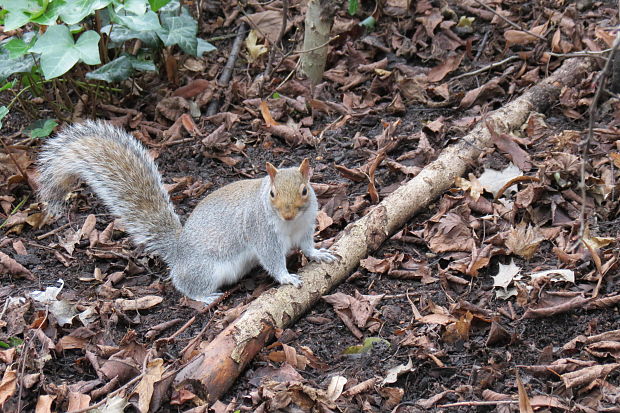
215	369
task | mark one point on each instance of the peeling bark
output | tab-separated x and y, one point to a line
212	372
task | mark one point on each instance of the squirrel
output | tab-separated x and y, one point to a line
242	224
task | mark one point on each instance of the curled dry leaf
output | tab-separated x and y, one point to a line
141	303
587	375
524	240
77	401
7	385
10	266
334	389
255	50
472	185
524	401
144	389
267	24
393	373
44	403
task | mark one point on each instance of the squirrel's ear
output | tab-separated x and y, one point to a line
304	168
271	170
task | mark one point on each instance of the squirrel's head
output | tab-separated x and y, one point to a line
290	189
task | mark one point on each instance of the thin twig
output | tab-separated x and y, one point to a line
582	53
52	232
487	67
274	47
226	74
479	403
483	45
585	145
508	21
319	46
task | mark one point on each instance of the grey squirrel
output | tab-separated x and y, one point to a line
245	223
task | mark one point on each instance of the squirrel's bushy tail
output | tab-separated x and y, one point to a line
121	173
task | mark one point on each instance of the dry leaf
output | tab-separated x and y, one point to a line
524	240
394	372
10	266
141	303
506	275
254	50
524	401
44	404
144	389
334	389
7	385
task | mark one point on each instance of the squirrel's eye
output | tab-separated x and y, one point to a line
304	191
271	193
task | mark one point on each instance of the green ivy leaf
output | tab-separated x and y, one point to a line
74	11
40	128
119	34
203	47
143	65
158	4
147	22
137	7
59	53
17	47
115	71
20	12
353	7
49	17
8	66
3	112
120	69
180	30
88	47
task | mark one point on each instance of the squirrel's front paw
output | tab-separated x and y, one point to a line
292	279
322	255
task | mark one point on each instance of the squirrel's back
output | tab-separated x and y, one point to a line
120	171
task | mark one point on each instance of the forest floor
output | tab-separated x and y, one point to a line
484	292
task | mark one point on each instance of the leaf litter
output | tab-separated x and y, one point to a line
422	312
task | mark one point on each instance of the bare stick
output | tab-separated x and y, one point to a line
487	67
585	145
479	403
229	68
515	25
272	52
